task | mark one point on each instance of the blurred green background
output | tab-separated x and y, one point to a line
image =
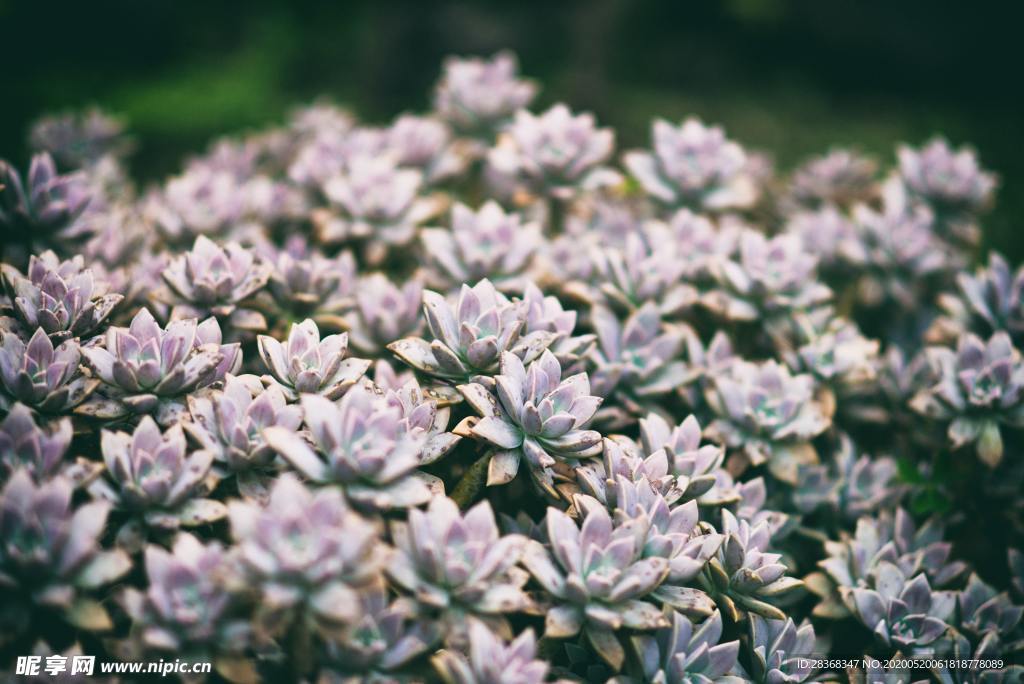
789	77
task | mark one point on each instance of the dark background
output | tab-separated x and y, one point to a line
789	77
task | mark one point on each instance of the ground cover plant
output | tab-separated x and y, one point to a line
475	396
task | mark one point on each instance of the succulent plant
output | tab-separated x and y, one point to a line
897	609
546	314
981	610
80	139
773	277
850	485
38	449
229	424
979	388
374	197
306	284
62	297
638	359
693	165
988	301
535	416
695	467
840	178
597	579
146	369
363	444
216	281
491	661
307	554
426	144
479	96
947	180
459	565
470	337
385	637
744	576
891	537
187	605
153	478
769	414
837	354
895	248
384	312
306	364
423	409
780	651
484	243
823	232
52	556
45	378
685	653
555	154
45	209
671	533
646	268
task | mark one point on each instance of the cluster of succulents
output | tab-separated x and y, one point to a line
474	397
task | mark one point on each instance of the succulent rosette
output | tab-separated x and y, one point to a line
470	337
685	653
211	280
744	577
307	364
536	416
459	565
546	314
423	409
383	312
901	612
555	154
693	165
186	607
492	661
646	268
890	537
41	449
768	414
486	243
362	443
773	277
303	283
638	359
229	423
374	198
307	554
780	651
153	477
146	369
695	467
851	485
896	249
386	637
62	297
597	578
991	299
823	232
979	388
840	178
37	374
43	210
52	555
426	144
948	180
479	96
